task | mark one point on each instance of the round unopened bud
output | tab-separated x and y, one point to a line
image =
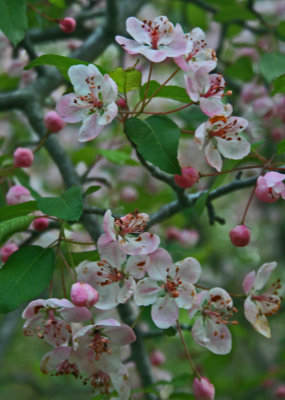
129	194
67	25
23	158
121	103
240	236
157	358
17	194
280	391
189	176
83	295
53	122
203	389
40	224
7	250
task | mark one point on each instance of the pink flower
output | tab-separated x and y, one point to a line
40	224
168	288
94	101
203	389
7	250
189	176
186	237
156	40
220	136
251	91
129	194
67	25
280	391
264	107
195	41
212	312
23	157
259	306
120	230
83	295
17	194
270	187
157	358
53	122
240	236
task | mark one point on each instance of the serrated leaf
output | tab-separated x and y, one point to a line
157	140
17	210
67	207
24	276
169	92
11	226
62	63
117	157
281	147
272	65
279	85
91	189
13	19
126	79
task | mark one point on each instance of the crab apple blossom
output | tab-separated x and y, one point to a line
83	295
7	250
203	389
189	176
270	187
157	358
53	122
240	236
186	237
40	224
67	25
156	39
220	136
23	158
213	311
17	194
120	230
169	287
93	103
258	306
195	41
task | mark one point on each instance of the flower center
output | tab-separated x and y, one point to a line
110	274
134	222
157	30
101	381
100	345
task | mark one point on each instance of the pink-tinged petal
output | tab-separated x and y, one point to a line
137	266
129	45
109	90
199	332
186	296
111	252
109	225
211	106
121	383
263	274
176	48
220	298
182	63
201	134
164	312
58	334
90	128
253	314
160	263
109	114
108	296
220	339
271	178
146	292
127	290
199	300
189	270
78	75
278	190
145	243
157	55
248	282
71	109
262	191
108	322
33	308
213	157
87	272
120	335
235	148
51	360
138	30
191	88
76	314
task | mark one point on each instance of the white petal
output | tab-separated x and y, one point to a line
213	157
164	312
263	274
146	292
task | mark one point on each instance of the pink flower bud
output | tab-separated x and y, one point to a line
40	224
17	194
129	194
203	389
157	358
189	176
7	250
53	122
23	157
67	25
83	295
240	236
121	103
270	187
280	391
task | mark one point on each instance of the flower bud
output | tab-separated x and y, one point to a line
53	122
17	194
203	389
23	158
240	236
67	25
40	224
280	391
121	103
83	295
7	250
129	194
189	176
157	358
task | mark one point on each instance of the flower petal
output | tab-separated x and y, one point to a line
189	270
263	274
248	282
71	109
160	263
146	292
236	148
164	312
90	128
213	157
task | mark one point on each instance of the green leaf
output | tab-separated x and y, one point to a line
279	85
241	69
86	154
117	157
126	79
91	189
169	92
170	331
24	276
197	16
14	225
17	210
281	29
254	146
8	82
272	65
234	12
281	147
58	3
67	207
157	140
62	63
13	19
